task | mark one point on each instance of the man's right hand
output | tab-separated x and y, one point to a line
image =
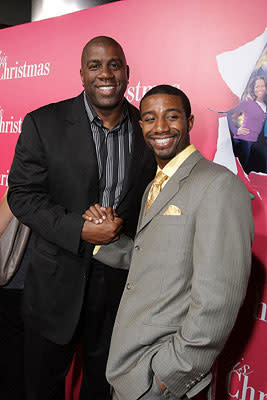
243	131
104	233
98	214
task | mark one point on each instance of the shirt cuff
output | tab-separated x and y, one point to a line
96	249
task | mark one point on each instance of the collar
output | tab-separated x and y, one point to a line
93	117
177	161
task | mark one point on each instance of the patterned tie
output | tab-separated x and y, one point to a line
155	189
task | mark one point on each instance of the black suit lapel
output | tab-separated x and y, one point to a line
78	118
79	129
80	136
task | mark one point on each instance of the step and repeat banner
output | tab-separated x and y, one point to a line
214	51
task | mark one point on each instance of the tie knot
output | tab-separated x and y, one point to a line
160	178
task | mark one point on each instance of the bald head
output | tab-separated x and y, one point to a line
100	41
104	74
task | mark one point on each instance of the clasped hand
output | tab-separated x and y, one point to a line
102	225
243	131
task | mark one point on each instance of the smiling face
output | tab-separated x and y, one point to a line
165	126
259	89
104	75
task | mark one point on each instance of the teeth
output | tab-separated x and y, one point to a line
106	87
162	141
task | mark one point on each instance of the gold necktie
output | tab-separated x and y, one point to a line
155	189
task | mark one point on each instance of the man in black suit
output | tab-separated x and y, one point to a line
70	155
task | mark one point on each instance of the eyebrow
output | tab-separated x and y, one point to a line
115	59
167	110
92	61
99	61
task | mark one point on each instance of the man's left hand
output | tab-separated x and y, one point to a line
98	214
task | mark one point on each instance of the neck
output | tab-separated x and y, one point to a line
161	163
110	117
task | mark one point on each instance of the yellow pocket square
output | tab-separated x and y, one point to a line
173	210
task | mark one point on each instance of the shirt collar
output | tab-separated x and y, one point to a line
93	117
177	161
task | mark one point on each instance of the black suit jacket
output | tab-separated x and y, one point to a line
53	180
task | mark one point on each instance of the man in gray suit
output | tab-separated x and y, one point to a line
190	264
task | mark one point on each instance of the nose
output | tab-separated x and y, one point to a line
161	125
105	73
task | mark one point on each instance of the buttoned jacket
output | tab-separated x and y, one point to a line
53	180
187	280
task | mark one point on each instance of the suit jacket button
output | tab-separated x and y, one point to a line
137	247
129	286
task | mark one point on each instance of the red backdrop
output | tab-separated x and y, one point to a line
165	41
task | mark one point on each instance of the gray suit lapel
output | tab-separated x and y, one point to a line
143	207
169	190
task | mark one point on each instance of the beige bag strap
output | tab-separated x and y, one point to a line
13	243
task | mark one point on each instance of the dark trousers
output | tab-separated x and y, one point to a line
242	150
47	363
11	345
258	156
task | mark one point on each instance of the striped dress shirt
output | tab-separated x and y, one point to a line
113	150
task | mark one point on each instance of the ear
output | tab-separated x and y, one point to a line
81	74
190	122
141	123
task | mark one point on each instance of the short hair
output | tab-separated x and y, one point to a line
100	40
168	89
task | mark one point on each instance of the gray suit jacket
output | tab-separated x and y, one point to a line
187	280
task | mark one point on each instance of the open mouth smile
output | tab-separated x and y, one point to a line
108	89
163	142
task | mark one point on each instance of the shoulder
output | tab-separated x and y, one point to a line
215	176
208	167
55	109
252	105
244	105
133	111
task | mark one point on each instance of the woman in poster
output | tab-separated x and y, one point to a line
246	121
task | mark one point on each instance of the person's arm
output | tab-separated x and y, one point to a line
221	267
115	255
243	106
30	200
5	214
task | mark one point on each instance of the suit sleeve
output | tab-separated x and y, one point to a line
221	267
118	254
29	197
